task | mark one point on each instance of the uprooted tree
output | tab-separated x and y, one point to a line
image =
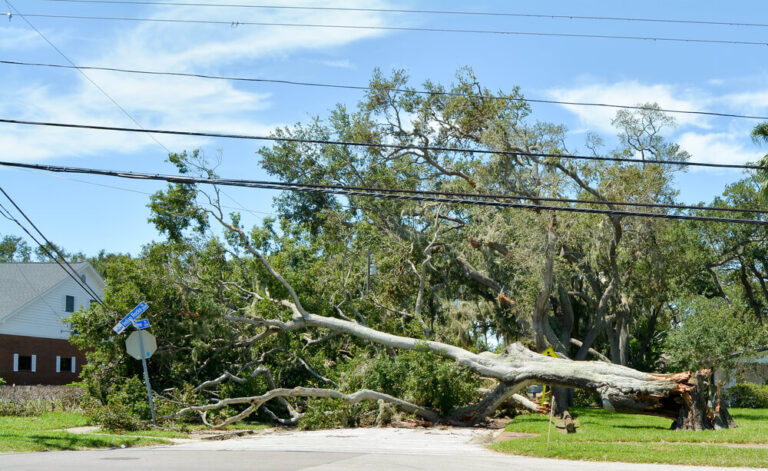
255	318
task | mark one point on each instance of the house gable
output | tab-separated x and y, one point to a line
42	316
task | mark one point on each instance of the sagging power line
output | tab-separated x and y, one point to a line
380	145
366	88
389	193
48	247
423	12
237	23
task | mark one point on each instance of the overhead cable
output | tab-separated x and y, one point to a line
66	58
425	12
381	145
388	193
47	248
396	90
237	23
89	79
609	203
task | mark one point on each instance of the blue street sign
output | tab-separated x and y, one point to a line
141	324
126	321
138	310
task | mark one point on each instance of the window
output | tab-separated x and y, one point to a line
24	362
70	304
65	364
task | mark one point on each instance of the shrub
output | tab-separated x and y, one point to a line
584	398
748	395
334	413
423	378
35	400
116	417
126	409
16	409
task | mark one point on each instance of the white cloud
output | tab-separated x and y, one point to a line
14	39
726	148
337	64
163	101
629	93
754	101
707	139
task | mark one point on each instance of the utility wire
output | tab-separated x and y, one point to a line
379	145
72	274
609	203
411	195
365	88
399	28
103	92
425	12
66	58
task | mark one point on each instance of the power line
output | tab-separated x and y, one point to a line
430	12
412	195
60	169
66	58
400	28
73	274
103	92
379	145
258	214
365	88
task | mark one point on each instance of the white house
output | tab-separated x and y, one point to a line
752	368
34	300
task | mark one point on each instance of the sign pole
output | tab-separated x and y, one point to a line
146	376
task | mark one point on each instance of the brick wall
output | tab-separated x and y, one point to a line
46	351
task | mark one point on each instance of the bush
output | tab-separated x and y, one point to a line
126	409
36	400
584	398
423	378
116	417
16	409
334	413
748	395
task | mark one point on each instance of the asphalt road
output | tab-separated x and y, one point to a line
337	450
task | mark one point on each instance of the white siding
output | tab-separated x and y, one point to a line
43	317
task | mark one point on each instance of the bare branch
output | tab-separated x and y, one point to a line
257	401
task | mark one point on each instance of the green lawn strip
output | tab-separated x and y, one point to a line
669	453
606	436
42	433
603	426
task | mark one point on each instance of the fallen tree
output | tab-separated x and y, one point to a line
681	397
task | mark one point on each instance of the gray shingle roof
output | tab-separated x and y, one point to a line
22	282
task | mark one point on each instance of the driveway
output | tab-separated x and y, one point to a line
337	450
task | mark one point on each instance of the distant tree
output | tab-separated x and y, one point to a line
14	249
709	332
760	134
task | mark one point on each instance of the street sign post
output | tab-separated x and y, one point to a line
140	344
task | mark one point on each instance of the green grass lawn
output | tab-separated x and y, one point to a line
43	432
603	436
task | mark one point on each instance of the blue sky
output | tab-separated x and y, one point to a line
83	215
